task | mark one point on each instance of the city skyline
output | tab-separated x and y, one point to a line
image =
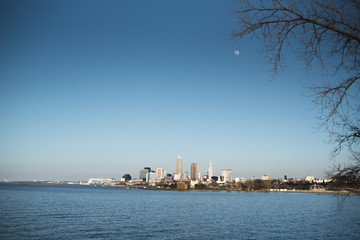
105	88
159	174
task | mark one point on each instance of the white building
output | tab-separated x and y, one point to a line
150	177
266	177
210	173
101	180
226	175
159	174
176	176
309	178
179	165
193	183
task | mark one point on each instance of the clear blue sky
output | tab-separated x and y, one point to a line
104	88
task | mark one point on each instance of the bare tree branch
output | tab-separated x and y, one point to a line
325	32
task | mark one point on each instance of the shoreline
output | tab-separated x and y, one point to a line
142	187
343	192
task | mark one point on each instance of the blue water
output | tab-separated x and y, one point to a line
87	212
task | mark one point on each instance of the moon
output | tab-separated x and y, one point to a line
236	52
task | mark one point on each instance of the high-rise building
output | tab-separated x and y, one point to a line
179	166
195	171
159	174
143	173
210	173
226	175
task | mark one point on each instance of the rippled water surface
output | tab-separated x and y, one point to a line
83	212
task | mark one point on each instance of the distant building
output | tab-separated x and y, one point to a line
226	175
101	180
179	165
176	176
195	175
159	174
210	173
150	177
309	178
168	177
143	173
185	175
214	178
266	177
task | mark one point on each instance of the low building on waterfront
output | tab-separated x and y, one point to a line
102	180
266	177
193	183
135	182
309	178
176	176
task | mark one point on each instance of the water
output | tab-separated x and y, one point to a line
87	212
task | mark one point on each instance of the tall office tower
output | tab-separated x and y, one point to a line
210	173
226	174
179	166
195	171
159	174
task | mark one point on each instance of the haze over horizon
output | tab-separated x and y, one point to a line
101	89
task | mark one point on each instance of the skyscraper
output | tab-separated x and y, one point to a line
179	166
226	175
210	173
195	171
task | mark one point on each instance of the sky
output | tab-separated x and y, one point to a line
105	88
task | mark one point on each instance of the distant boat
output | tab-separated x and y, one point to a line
5	180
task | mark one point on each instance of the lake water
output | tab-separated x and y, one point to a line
87	212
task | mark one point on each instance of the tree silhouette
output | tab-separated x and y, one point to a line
325	33
127	177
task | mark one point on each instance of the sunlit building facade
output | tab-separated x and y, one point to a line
226	175
266	177
179	166
195	171
159	174
210	172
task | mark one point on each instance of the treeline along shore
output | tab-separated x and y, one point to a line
256	185
250	185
